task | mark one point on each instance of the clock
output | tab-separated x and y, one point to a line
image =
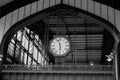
59	46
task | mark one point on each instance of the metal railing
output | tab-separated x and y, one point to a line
59	67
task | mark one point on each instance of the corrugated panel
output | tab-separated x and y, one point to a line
84	5
46	4
8	22
33	7
104	11
117	19
34	77
40	5
52	2
58	2
27	10
13	76
111	15
97	9
26	77
14	17
90	6
72	2
20	76
21	13
7	76
78	3
4	2
66	1
2	26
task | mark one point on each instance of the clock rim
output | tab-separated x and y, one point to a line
61	54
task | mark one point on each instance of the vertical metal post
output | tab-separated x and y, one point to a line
15	46
28	47
37	55
73	48
116	66
1	58
46	39
32	60
86	41
118	58
22	61
115	61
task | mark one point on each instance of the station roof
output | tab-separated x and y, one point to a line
6	6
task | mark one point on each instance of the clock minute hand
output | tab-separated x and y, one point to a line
59	45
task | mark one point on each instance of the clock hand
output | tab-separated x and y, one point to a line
59	45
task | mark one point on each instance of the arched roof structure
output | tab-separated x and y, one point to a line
104	13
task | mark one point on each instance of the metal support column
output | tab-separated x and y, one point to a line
1	57
116	63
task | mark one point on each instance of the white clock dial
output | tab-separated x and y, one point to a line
60	46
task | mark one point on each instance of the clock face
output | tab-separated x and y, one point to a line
60	46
